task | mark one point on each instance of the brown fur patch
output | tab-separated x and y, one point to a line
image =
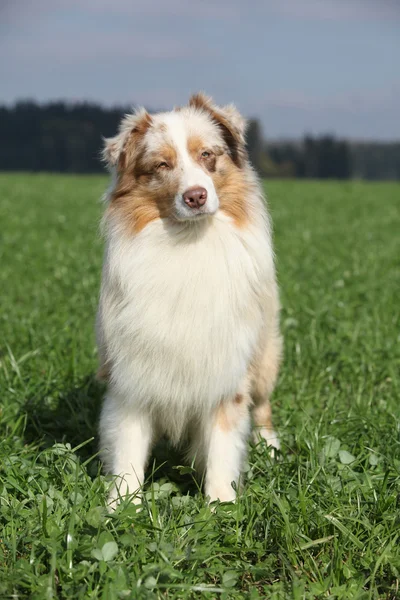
139	202
137	134
262	416
145	189
147	164
230	413
232	136
265	365
200	101
263	375
232	190
196	146
103	373
143	124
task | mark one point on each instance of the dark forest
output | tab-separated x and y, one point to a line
67	138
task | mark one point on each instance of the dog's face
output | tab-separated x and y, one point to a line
184	165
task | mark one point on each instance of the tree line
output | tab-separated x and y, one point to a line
67	138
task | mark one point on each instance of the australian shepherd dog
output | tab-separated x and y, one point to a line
188	319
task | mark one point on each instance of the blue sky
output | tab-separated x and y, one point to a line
299	65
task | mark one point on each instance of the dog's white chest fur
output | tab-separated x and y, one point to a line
183	314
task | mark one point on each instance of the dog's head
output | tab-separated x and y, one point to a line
183	165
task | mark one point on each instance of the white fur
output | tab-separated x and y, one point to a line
134	433
181	312
192	175
226	449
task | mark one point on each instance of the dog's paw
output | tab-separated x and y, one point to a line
221	493
270	438
119	493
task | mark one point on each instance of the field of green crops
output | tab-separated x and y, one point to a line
321	521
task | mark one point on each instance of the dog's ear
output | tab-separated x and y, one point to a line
120	149
111	150
230	122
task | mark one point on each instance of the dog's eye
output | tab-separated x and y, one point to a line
163	165
205	154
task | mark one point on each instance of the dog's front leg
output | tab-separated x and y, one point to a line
126	436
226	442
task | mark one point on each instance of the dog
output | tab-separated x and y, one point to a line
188	319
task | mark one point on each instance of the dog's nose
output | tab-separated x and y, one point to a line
195	197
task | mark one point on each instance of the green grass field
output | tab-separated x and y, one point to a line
323	521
